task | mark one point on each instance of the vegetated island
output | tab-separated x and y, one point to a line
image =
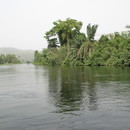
25	56
9	59
67	45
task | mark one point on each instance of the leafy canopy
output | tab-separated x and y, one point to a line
63	32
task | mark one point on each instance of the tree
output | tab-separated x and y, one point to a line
63	32
87	46
37	57
9	58
91	31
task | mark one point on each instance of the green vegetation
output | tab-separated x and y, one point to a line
8	59
25	56
67	45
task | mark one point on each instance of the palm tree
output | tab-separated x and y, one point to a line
91	31
87	46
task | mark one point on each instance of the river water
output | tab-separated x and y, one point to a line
64	98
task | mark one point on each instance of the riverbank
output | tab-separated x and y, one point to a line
67	45
111	52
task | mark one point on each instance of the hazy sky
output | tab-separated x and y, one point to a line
23	23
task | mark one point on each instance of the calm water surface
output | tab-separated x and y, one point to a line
64	98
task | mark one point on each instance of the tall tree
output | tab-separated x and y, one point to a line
87	46
91	31
63	32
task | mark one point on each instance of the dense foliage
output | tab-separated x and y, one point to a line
67	45
8	59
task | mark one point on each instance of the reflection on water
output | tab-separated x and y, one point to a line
78	88
64	98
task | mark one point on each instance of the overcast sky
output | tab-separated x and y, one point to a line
23	23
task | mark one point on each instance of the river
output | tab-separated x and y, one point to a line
64	98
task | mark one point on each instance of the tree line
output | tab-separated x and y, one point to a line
67	45
8	59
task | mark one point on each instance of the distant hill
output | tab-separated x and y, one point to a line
23	55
